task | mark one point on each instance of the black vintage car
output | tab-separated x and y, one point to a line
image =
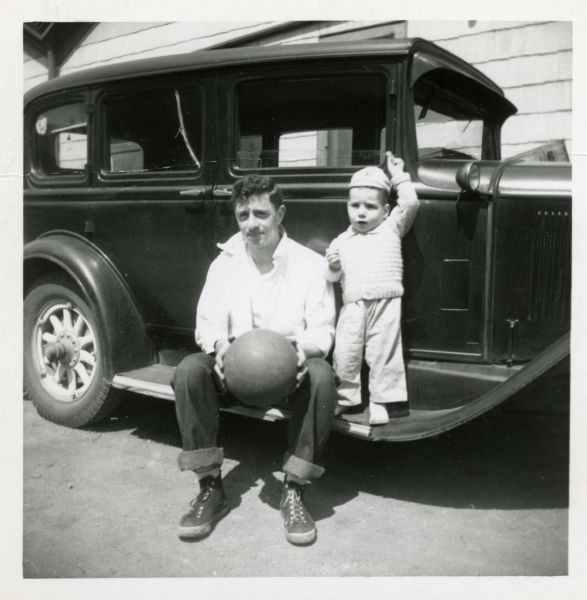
128	175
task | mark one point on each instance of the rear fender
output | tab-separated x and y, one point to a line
104	289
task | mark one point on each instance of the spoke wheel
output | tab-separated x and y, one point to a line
66	359
65	351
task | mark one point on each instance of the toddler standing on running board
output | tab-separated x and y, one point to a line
367	260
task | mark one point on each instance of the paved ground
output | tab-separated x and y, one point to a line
489	498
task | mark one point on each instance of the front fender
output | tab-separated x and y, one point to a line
104	289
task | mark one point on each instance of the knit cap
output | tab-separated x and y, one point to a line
371	177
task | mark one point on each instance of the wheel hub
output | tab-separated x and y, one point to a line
65	350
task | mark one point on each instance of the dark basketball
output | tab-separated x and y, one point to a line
260	367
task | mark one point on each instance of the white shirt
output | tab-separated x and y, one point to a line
292	299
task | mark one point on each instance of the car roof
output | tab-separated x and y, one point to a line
203	59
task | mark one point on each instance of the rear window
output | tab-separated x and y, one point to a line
311	122
60	144
153	131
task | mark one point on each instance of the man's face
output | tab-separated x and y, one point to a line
259	221
366	208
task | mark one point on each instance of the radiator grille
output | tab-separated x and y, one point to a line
551	280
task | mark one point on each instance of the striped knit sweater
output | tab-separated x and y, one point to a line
372	266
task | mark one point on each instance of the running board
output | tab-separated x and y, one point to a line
408	425
153	381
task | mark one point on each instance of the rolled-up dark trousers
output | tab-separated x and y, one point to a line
198	399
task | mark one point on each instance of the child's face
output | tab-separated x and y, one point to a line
367	208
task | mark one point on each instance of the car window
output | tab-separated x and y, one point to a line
447	124
153	131
311	122
60	145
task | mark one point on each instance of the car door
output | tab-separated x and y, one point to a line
151	212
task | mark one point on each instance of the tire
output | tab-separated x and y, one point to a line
72	385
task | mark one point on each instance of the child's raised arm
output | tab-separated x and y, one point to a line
404	214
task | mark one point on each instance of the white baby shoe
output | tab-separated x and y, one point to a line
378	414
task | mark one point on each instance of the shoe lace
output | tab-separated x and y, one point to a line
201	497
294	505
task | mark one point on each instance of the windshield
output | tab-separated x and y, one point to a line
448	125
440	136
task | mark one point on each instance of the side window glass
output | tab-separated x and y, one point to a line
447	125
316	148
61	140
311	122
153	131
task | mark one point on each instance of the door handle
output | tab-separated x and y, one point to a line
222	191
194	193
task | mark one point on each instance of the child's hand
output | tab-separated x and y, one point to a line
333	258
395	166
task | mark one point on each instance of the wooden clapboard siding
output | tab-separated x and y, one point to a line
541	97
34	72
543	127
512	150
527	39
543	94
304	34
117	42
529	70
118	31
547	130
330	31
450	30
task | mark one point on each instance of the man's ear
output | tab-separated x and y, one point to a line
280	213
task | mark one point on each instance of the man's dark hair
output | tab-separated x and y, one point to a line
255	185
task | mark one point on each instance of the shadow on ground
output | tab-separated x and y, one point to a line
504	460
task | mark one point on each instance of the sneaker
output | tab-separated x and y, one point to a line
378	414
207	509
299	525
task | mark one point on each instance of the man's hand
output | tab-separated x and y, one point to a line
220	348
333	258
302	368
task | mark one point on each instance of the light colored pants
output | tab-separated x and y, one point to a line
370	328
